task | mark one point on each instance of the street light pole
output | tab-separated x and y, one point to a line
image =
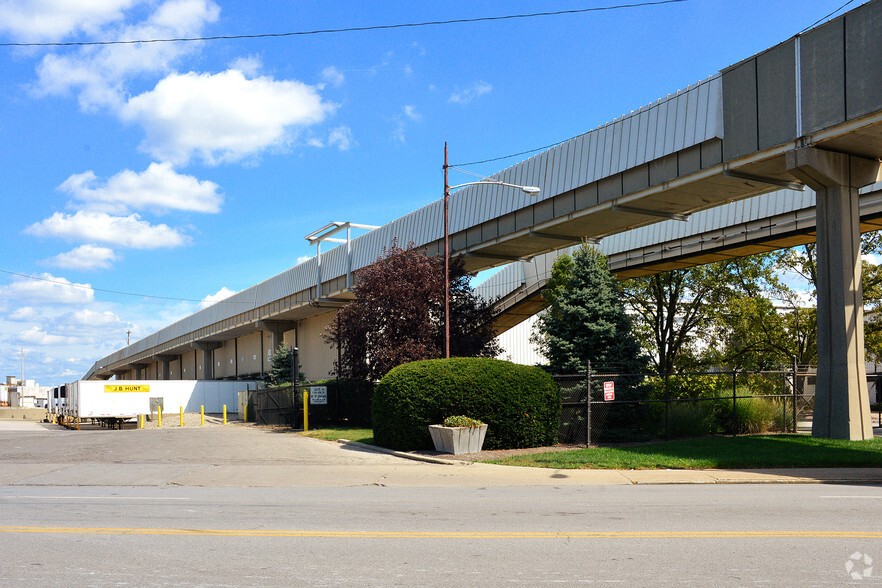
531	190
446	260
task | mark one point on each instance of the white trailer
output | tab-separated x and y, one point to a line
112	402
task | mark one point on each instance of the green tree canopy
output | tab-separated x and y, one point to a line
585	320
717	313
280	372
398	315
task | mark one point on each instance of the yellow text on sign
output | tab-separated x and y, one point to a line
109	388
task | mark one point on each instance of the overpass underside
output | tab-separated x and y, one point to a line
806	112
518	289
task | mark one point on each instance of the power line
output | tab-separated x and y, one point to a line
555	144
87	287
344	30
825	17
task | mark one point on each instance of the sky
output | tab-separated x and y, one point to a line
141	182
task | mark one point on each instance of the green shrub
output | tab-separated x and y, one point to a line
687	419
783	419
520	404
754	415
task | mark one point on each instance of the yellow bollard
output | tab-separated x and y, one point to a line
140	421
182	416
245	417
159	416
305	411
225	414
202	413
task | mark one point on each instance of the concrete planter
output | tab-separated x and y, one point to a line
458	440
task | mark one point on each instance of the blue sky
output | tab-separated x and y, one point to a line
190	170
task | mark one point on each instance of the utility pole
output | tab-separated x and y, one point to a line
128	332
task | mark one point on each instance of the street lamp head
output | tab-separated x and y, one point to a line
531	190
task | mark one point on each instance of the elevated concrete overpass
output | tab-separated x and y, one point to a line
778	220
805	112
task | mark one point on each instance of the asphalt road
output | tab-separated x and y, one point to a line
725	535
432	531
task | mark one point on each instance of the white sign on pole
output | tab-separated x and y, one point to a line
318	394
609	390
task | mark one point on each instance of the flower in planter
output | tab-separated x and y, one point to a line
461	421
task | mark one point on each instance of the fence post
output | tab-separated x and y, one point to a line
588	406
295	364
734	402
795	367
667	407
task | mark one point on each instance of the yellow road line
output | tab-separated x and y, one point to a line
456	534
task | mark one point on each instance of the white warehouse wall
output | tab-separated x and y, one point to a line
516	344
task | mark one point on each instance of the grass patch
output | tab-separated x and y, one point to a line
763	451
334	433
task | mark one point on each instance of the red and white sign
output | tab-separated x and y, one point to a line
609	390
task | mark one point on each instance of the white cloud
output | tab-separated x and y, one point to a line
411	112
222	117
90	318
302	259
250	65
47	289
333	76
24	314
40	20
128	231
84	258
99	74
408	114
157	188
36	336
341	137
221	294
475	90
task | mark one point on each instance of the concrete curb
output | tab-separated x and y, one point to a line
404	454
668	477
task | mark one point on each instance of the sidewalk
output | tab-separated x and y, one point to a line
40	454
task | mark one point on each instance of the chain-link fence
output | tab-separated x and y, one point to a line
339	403
276	406
640	407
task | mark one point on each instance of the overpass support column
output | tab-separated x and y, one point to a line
277	331
842	409
164	365
206	348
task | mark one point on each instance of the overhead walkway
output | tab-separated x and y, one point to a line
805	112
778	220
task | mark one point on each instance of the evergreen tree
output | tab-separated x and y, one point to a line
280	372
585	320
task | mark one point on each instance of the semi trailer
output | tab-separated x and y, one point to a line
113	402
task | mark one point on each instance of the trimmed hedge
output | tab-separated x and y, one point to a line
520	404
